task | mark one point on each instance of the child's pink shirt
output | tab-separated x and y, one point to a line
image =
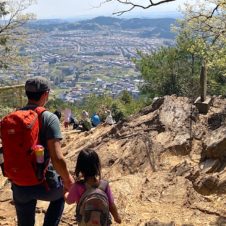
77	189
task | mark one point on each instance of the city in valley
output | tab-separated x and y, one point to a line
89	57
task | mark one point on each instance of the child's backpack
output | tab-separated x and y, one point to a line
19	133
93	206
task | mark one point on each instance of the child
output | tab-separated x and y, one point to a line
88	170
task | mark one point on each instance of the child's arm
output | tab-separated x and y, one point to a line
112	207
66	197
71	196
114	212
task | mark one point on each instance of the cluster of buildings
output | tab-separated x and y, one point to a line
84	62
100	87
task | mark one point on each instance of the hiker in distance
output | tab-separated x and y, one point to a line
95	120
109	119
33	161
92	195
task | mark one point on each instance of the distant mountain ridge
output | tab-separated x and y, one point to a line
134	23
159	27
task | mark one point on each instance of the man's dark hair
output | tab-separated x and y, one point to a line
34	96
88	163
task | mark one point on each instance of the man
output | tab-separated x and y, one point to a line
25	197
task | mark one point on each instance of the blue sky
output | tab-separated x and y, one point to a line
91	8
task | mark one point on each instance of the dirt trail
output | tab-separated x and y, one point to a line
162	164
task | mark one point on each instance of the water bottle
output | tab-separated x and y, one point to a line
39	154
2	161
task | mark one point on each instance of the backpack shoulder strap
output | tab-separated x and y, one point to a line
78	206
103	185
39	110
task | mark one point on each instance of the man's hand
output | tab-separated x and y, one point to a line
68	183
59	162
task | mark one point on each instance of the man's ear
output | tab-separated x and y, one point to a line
46	93
44	96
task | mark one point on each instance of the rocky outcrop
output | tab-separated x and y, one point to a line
166	165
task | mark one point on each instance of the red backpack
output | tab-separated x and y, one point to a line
19	133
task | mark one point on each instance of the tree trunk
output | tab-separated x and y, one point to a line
203	81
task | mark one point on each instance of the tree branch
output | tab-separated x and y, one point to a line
207	22
133	5
12	32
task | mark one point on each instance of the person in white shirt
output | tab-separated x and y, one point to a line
109	119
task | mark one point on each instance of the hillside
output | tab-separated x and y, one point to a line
166	165
155	27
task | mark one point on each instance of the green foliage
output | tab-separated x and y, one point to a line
57	104
217	80
117	110
95	103
126	97
204	27
206	23
170	70
175	70
201	38
12	32
11	99
4	110
100	104
3	11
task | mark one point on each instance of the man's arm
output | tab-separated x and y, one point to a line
59	163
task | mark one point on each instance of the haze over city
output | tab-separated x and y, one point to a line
47	9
